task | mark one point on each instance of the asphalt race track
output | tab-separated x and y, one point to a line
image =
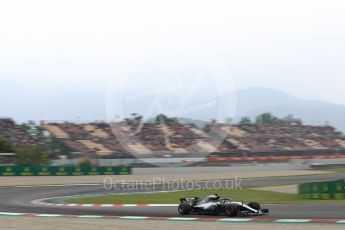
18	199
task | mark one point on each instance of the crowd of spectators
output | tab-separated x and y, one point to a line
174	137
285	137
100	139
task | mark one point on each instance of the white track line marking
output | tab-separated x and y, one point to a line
182	218
89	216
49	215
106	205
134	217
87	205
340	222
234	220
11	214
71	205
282	221
294	220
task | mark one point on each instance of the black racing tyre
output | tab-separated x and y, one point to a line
254	205
184	209
231	210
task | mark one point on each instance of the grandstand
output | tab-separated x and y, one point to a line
99	140
178	139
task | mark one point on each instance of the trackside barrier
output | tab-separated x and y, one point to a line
62	171
327	190
271	158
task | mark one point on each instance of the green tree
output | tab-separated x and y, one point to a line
5	146
56	147
167	120
269	119
208	126
245	121
27	155
291	120
266	119
34	130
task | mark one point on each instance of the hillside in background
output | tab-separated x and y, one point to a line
254	101
87	103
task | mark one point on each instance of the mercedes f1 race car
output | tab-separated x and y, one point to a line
214	205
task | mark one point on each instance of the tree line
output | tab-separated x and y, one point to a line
270	119
26	155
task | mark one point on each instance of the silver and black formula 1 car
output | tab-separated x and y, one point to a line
214	205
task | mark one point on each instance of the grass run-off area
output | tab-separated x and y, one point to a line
245	194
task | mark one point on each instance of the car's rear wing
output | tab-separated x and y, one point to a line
188	200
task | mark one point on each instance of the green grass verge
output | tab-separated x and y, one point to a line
246	195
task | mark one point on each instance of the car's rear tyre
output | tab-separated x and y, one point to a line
254	205
231	210
184	209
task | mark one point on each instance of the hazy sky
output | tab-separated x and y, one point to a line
294	46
